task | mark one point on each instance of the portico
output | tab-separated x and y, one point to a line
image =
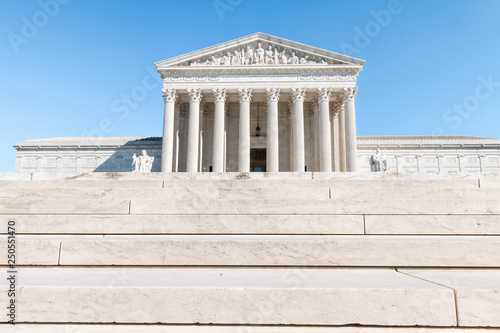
302	99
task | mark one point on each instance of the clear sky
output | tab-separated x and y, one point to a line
432	67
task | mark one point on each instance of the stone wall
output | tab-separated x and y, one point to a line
430	155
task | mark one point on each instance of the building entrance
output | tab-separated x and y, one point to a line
257	160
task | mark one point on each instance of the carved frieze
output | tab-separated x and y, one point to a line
226	78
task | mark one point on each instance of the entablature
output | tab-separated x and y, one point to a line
335	78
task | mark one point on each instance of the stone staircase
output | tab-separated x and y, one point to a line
286	252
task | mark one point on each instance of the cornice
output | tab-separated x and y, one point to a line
259	70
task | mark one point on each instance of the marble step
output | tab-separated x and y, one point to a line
261	180
247	183
8	185
187	224
127	328
232	297
371	184
442	204
358	192
251	176
171	193
413	193
200	204
432	224
257	224
73	205
27	199
477	293
258	250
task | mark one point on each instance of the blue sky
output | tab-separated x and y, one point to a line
432	67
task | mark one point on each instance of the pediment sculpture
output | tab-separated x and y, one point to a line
258	55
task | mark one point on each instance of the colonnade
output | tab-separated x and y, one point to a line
334	132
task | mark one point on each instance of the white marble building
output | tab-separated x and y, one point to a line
260	103
406	154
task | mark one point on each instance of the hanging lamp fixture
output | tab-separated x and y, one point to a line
257	129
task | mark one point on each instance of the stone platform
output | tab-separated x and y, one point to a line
258	252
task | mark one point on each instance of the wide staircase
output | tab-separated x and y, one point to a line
259	252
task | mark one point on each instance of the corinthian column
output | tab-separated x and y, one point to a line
218	146
167	145
313	111
298	96
325	163
203	114
272	159
244	138
338	135
350	124
193	130
342	137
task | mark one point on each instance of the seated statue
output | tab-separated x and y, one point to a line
143	163
378	161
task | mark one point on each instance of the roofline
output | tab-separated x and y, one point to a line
263	36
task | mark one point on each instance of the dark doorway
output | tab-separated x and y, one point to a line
257	160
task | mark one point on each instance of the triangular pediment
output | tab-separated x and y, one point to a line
260	50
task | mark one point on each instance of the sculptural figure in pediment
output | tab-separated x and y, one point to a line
282	58
259	54
236	60
226	59
249	56
294	59
214	61
270	55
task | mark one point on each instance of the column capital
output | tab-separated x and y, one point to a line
350	93
324	94
298	94
272	94
219	94
169	95
245	94
194	95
